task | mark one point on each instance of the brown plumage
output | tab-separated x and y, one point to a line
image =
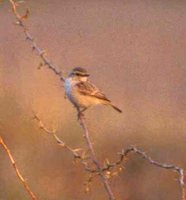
88	89
82	93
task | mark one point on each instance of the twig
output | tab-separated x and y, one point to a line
30	38
179	170
58	140
94	158
18	173
143	155
74	152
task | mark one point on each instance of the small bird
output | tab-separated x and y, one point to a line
82	93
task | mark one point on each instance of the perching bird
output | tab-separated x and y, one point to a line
82	93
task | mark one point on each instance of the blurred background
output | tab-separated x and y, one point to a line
135	51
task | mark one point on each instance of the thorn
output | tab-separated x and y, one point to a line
40	65
18	23
78	149
25	16
108	174
19	2
33	47
43	52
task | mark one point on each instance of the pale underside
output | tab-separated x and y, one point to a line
85	94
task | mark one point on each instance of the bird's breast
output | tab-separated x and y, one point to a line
69	90
76	97
68	87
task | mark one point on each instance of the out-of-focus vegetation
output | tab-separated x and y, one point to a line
135	51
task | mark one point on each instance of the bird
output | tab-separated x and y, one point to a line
82	93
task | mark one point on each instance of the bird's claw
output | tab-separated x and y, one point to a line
80	115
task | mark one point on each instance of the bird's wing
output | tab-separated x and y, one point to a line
87	88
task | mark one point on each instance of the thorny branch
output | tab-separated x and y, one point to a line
58	140
53	68
42	55
75	152
18	173
99	170
125	153
40	52
94	158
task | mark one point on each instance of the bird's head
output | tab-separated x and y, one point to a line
79	73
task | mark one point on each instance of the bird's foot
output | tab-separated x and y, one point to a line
80	115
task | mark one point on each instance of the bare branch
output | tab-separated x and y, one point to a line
125	153
179	170
18	173
58	140
83	159
40	52
94	158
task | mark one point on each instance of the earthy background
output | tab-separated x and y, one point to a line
135	51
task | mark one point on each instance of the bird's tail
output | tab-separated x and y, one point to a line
116	108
